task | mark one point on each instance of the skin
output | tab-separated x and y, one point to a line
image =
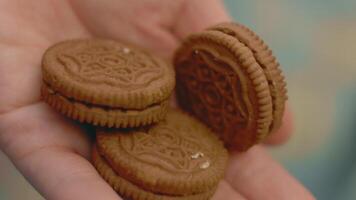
53	152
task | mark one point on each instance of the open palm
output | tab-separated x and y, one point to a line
52	151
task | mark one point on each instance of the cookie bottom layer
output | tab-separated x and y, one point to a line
104	117
128	190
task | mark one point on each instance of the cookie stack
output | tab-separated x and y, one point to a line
227	78
144	149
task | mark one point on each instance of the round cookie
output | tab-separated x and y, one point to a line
178	156
128	190
106	83
220	82
267	61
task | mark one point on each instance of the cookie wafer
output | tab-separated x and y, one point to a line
106	83
220	82
129	190
177	157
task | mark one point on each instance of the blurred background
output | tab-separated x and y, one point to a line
315	42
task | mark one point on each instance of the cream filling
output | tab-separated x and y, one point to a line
103	107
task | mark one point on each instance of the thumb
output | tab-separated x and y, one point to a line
197	15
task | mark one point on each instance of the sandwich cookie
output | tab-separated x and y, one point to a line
106	83
228	78
179	158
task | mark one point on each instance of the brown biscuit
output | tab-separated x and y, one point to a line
221	83
178	156
128	190
106	83
267	61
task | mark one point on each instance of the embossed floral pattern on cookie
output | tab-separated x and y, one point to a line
120	67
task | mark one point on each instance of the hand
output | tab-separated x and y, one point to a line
51	151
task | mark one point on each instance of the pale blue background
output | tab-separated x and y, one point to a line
322	73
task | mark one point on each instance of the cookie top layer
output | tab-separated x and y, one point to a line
221	83
266	60
178	156
107	73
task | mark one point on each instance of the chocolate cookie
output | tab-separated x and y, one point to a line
106	83
231	84
179	156
131	191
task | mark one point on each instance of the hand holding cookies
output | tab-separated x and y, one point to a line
106	87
